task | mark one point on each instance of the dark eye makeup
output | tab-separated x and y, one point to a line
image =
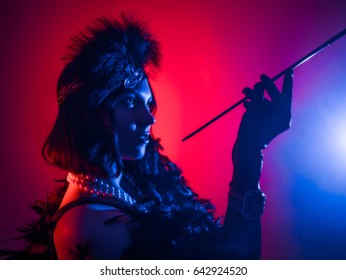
130	100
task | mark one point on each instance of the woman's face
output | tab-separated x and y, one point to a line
131	120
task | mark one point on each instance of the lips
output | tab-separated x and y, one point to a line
144	138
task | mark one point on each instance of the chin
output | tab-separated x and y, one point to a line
134	155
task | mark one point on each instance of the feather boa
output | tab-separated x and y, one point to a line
184	229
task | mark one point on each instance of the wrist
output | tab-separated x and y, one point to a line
247	167
249	204
242	186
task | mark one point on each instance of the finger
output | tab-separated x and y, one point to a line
287	87
250	106
247	91
255	94
270	87
259	92
247	104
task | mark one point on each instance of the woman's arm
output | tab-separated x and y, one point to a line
263	120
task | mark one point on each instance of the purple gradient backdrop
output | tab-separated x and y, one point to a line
211	50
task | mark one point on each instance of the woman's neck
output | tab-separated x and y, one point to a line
85	185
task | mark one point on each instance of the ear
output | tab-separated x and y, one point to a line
106	118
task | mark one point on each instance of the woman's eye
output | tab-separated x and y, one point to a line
130	102
151	106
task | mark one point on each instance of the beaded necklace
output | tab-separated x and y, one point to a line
92	185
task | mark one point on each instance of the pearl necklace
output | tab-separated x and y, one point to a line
93	185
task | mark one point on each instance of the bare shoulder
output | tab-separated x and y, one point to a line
101	230
88	216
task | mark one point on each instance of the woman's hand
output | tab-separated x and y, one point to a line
265	119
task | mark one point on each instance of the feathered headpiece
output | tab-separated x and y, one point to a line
113	54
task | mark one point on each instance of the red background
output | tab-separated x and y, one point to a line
211	50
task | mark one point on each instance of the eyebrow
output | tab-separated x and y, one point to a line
137	94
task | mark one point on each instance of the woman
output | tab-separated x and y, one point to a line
123	198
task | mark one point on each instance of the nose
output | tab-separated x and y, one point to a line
146	117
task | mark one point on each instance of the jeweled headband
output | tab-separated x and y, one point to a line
133	77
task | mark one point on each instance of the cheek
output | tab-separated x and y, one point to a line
123	130
123	123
